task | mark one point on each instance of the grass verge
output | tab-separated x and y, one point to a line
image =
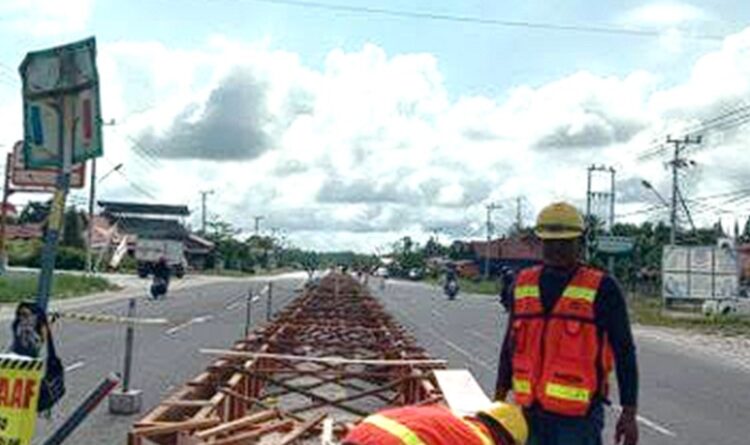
649	312
17	286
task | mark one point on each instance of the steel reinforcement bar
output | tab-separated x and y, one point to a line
331	357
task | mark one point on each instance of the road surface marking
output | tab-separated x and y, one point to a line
655	426
239	304
190	322
482	336
74	366
648	423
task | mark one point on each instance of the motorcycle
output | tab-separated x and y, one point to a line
451	289
159	287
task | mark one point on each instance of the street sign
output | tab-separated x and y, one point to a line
43	178
61	105
614	244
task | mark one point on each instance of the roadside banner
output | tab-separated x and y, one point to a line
20	378
120	252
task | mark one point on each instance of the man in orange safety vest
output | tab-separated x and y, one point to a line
499	424
568	327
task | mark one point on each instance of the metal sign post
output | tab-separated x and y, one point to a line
4	217
55	220
62	126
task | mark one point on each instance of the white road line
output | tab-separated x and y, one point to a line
655	426
483	337
74	366
190	322
239	304
648	423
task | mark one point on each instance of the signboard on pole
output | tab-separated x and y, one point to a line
62	126
614	245
41	177
61	105
20	379
699	272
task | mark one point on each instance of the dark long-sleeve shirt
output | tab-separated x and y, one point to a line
610	314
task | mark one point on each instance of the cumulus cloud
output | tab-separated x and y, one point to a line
233	124
46	17
371	146
664	13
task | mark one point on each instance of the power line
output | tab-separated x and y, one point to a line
725	121
547	26
137	187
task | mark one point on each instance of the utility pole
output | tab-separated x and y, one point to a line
519	213
4	215
258	219
204	195
490	208
92	200
677	163
90	228
592	196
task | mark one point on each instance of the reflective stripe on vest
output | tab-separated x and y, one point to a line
521	386
404	434
527	292
580	293
480	434
567	392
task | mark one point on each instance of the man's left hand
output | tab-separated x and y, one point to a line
626	432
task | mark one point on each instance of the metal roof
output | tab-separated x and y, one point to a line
151	228
144	209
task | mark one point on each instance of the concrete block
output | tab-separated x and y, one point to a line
125	403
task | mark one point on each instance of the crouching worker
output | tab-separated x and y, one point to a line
500	424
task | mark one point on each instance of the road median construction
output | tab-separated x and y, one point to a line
331	357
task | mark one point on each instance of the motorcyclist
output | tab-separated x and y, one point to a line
451	280
162	273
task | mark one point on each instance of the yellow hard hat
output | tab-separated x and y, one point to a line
511	419
559	221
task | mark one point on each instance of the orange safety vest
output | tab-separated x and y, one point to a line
561	360
418	425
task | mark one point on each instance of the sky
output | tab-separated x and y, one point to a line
348	129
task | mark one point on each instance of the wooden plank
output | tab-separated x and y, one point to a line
302	429
177	426
239	423
330	360
187	403
260	432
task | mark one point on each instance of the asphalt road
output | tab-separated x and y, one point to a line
210	315
685	398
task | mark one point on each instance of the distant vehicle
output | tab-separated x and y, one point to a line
382	272
416	274
149	251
